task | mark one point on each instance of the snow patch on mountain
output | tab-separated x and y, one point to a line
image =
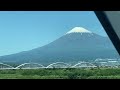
79	30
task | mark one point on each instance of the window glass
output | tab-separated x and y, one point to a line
60	39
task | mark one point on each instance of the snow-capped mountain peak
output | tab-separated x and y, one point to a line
78	30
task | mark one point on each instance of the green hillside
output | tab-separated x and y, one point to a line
68	73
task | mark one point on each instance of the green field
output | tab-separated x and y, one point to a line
68	73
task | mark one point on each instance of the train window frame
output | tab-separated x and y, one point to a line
107	22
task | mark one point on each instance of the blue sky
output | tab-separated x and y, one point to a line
25	30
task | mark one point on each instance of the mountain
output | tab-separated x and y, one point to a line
76	45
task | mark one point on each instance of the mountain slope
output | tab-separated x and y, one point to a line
77	44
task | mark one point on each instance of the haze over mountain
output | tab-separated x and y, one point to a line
77	44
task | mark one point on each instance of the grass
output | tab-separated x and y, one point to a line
68	73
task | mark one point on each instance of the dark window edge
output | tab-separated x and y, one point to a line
109	29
